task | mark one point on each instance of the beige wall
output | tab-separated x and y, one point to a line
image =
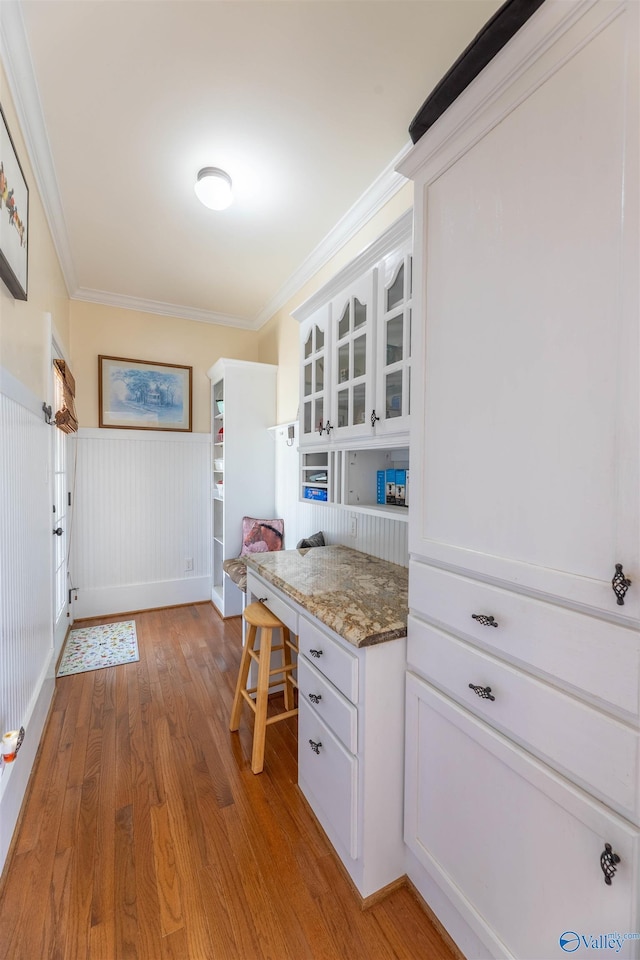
25	327
279	337
115	332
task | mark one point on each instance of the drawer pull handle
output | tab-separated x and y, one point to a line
262	599
315	697
315	746
483	692
316	653
485	621
620	585
608	861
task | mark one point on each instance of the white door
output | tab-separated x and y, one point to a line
60	514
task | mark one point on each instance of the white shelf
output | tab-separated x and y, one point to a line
384	510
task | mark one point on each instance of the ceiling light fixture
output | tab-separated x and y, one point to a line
213	188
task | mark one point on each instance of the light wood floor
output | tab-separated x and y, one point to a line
145	834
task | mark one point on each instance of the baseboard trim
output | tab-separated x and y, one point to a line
129	598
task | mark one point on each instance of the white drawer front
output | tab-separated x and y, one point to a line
594	657
335	662
328	778
336	711
509	839
594	750
269	596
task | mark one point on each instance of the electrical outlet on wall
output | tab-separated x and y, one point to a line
353	525
188	564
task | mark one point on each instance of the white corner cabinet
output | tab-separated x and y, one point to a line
355	369
243	407
522	799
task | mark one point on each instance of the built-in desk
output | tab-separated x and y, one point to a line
349	611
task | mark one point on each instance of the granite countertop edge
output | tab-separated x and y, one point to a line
332	608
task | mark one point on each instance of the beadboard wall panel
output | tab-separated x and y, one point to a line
142	516
26	637
383	538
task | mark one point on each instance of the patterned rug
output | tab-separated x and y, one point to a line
91	648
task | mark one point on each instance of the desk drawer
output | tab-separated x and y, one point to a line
593	656
334	661
273	600
336	711
328	777
590	748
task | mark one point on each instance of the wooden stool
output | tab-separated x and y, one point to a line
259	617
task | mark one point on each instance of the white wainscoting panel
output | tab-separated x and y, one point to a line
142	513
387	539
26	638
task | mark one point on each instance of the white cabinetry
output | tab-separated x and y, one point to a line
350	749
352	327
350	741
355	338
243	407
522	703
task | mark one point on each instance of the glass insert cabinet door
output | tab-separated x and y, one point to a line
352	320
314	375
394	357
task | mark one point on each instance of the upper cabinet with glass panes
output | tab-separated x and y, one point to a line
355	338
314	413
393	357
352	339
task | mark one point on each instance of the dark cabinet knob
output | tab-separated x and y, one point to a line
315	745
485	621
620	584
483	692
315	697
316	653
608	862
58	531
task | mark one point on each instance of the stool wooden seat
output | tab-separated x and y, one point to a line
259	618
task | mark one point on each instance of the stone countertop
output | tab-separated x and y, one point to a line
362	598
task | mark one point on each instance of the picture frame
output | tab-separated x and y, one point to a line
144	395
14	217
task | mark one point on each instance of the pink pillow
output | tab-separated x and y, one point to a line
261	536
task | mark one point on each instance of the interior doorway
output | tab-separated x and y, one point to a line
61	516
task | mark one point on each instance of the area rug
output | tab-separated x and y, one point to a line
91	648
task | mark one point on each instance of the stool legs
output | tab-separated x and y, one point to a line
243	676
286	662
258	617
262	700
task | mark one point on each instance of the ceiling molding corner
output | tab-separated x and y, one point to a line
122	302
384	187
18	66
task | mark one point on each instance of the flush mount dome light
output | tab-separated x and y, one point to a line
213	188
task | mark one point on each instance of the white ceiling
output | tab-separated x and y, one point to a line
306	104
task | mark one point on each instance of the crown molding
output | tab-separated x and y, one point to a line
158	306
18	66
399	231
386	185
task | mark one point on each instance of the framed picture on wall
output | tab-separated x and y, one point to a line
14	216
143	395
